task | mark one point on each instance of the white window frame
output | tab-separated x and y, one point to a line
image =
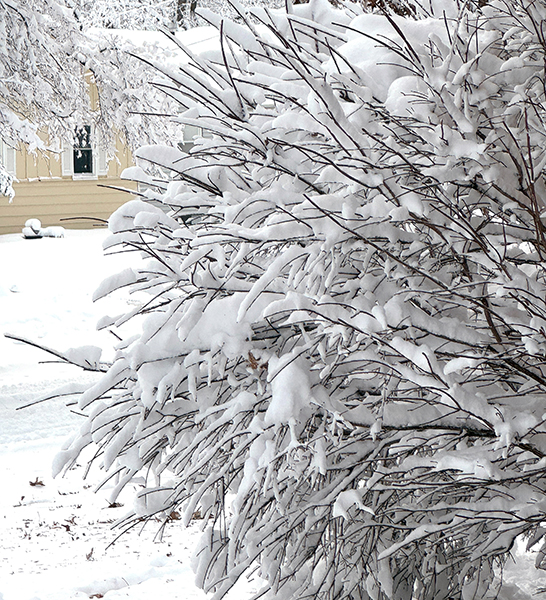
100	163
8	156
187	142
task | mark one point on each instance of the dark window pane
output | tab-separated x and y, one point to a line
83	153
83	161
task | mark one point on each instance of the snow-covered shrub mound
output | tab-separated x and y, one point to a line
342	365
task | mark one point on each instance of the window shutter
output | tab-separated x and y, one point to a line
66	159
8	157
102	162
11	161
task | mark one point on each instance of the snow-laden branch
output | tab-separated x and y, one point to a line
341	364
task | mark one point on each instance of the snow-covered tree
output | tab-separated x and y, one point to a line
46	68
155	14
126	14
39	69
342	358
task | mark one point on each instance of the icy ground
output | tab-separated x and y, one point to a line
55	535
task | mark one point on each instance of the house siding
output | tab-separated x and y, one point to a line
43	193
56	200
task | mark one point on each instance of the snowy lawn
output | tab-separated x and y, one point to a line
56	535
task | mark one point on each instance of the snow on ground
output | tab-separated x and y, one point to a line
45	295
56	535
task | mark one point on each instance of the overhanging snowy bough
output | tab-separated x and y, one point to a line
342	362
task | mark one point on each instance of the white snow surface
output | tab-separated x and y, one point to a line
56	538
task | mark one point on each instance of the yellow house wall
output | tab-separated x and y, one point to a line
43	193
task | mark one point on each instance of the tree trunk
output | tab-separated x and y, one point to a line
185	12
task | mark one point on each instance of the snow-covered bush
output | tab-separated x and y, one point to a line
342	362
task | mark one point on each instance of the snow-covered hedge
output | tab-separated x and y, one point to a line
342	364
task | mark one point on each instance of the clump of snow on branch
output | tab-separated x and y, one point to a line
341	364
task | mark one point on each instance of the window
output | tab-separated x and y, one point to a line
190	133
7	158
83	152
7	170
83	160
